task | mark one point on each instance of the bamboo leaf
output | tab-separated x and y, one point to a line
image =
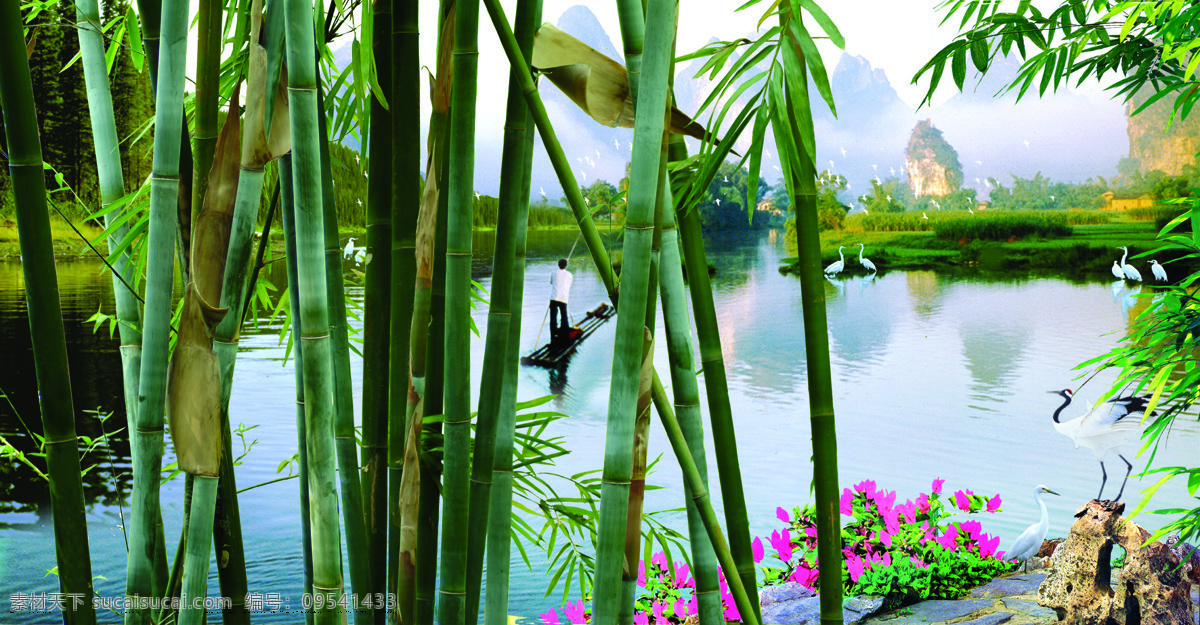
135	39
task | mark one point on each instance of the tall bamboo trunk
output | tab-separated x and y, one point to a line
456	423
687	407
46	331
816	339
343	390
631	317
145	528
515	183
112	188
716	388
289	234
208	86
377	305
314	312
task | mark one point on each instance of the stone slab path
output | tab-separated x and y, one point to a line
1008	600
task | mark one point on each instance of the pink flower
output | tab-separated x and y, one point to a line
804	576
917	562
1000	555
731	611
928	532
923	503
855	564
681	576
575	613
866	487
885	501
660	560
659	619
908	509
641	618
962	501
987	546
847	502
891	519
783	515
993	504
885	538
551	617
642	573
693	606
949	541
757	547
782	544
937	486
680	609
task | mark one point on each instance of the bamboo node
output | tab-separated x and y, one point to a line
452	593
628	227
481	482
314	338
616	483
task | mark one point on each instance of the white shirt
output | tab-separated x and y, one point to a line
560	285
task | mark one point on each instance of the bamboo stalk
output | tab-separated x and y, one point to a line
716	388
686	392
146	518
199	545
816	341
289	234
317	354
46	330
208	87
635	276
514	191
456	423
377	305
699	494
343	391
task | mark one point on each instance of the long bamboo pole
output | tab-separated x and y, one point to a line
112	188
635	276
46	330
377	305
816	341
289	234
317	354
164	197
716	388
686	391
208	86
456	423
343	391
514	192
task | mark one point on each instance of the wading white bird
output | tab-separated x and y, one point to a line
1116	271
835	268
1030	541
866	262
349	251
1109	426
1160	274
1131	272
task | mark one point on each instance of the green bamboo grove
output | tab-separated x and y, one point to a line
423	495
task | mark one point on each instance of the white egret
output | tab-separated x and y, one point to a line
726	178
835	268
1109	426
978	162
718	201
1116	271
1131	272
843	152
349	251
970	211
874	166
866	262
1160	274
543	190
597	154
893	171
889	197
1030	541
477	195
924	216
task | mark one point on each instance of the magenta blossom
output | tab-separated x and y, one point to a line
928	532
757	547
660	560
908	509
885	538
962	501
937	486
866	487
884	500
855	564
693	606
891	519
804	576
681	576
783	515
575	613
987	545
642	573
782	544
551	617
949	540
731	611
922	503
680	609
659	619
641	618
847	502
994	503
917	562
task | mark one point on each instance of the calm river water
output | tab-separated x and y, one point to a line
935	375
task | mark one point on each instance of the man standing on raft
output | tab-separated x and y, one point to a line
560	290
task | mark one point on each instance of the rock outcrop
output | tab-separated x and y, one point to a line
1152	145
932	164
1151	587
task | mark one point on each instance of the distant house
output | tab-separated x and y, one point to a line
1113	202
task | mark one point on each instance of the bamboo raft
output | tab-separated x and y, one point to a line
553	355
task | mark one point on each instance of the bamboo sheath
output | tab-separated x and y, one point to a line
316	355
377	306
45	320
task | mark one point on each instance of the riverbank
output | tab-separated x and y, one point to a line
1089	251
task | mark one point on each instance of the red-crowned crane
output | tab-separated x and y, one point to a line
1109	426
